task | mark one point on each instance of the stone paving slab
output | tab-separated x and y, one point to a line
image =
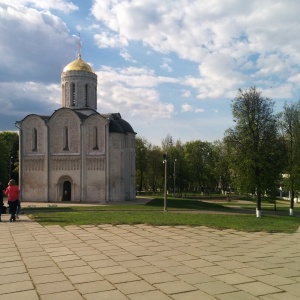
152	295
24	295
70	295
142	262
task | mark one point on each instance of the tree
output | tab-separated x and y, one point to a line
255	153
9	146
199	158
141	161
223	171
289	121
167	142
155	168
181	170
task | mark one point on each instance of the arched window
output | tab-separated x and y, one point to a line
66	139
34	139
86	95
73	94
95	138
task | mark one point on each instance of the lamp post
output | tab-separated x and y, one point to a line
174	176
165	189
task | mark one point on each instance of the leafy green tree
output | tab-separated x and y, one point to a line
289	121
176	167
155	168
199	158
254	142
223	172
181	168
167	142
9	146
141	146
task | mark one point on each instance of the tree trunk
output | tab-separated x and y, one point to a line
292	202
258	204
292	199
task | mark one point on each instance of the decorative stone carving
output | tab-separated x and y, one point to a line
65	163
34	164
96	163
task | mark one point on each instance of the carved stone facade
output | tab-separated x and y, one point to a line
77	154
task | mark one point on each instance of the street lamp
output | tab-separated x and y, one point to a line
174	176
165	190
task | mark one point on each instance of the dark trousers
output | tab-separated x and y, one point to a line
13	208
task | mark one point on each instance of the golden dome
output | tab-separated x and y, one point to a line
78	65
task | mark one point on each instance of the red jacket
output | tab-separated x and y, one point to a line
12	193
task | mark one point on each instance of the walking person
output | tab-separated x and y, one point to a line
13	194
18	206
2	189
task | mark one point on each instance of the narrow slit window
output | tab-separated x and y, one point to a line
73	94
66	139
95	138
34	139
86	95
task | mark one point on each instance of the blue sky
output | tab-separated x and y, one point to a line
169	67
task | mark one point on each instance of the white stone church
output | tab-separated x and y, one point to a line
77	154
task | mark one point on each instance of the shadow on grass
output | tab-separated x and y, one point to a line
29	210
154	204
186	204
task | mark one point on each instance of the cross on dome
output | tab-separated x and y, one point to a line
79	45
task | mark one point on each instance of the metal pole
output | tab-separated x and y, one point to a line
174	191
165	190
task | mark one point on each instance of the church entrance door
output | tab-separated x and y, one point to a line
66	191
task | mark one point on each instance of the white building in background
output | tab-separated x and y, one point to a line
77	154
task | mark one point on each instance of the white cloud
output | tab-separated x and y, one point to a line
189	108
283	91
295	79
235	43
29	97
106	40
131	90
166	67
40	47
134	77
64	6
186	108
186	93
127	56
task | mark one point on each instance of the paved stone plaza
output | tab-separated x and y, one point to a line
144	262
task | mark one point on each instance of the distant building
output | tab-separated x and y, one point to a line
77	154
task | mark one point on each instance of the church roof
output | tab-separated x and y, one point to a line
115	127
78	65
117	124
81	115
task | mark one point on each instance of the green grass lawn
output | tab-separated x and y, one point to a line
180	212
